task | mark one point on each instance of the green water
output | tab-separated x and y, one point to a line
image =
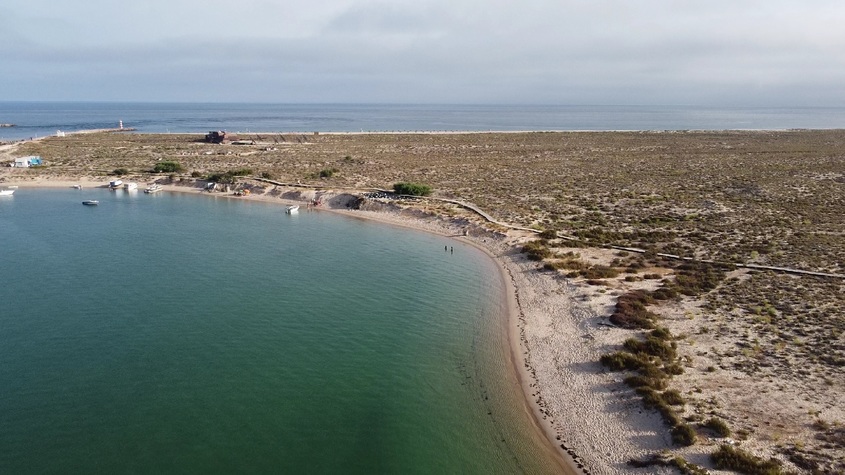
182	334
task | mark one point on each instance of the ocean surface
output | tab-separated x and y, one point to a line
38	119
174	333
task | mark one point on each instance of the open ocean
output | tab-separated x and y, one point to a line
37	119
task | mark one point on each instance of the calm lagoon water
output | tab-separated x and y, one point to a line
176	333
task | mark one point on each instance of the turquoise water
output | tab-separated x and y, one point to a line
178	333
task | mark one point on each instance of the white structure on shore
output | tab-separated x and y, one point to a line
26	162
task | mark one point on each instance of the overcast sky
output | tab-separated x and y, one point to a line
649	52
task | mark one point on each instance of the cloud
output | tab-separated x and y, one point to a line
572	51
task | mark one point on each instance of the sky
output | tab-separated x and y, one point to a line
563	52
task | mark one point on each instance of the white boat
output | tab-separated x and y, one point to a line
130	186
77	187
292	209
114	184
90	202
7	192
154	188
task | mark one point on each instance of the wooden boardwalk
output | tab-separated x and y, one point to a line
475	209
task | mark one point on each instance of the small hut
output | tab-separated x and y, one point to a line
26	162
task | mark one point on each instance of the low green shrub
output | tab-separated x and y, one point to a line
654	400
731	458
167	167
640	381
573	263
599	272
693	278
548	234
536	250
683	434
652	346
329	172
414	189
687	468
665	293
661	333
650	370
224	178
718	426
241	172
673	398
622	360
631	311
674	369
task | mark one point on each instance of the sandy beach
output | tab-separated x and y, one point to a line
559	324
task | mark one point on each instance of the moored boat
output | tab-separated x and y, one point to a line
292	209
130	186
77	187
154	188
90	202
7	192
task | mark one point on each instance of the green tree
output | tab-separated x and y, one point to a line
167	167
414	189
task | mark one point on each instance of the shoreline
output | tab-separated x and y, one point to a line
581	430
13	142
566	459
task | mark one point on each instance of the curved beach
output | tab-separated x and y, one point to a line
555	409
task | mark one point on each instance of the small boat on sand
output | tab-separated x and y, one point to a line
77	187
154	188
130	186
292	209
90	202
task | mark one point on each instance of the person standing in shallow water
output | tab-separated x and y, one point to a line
445	248
452	250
